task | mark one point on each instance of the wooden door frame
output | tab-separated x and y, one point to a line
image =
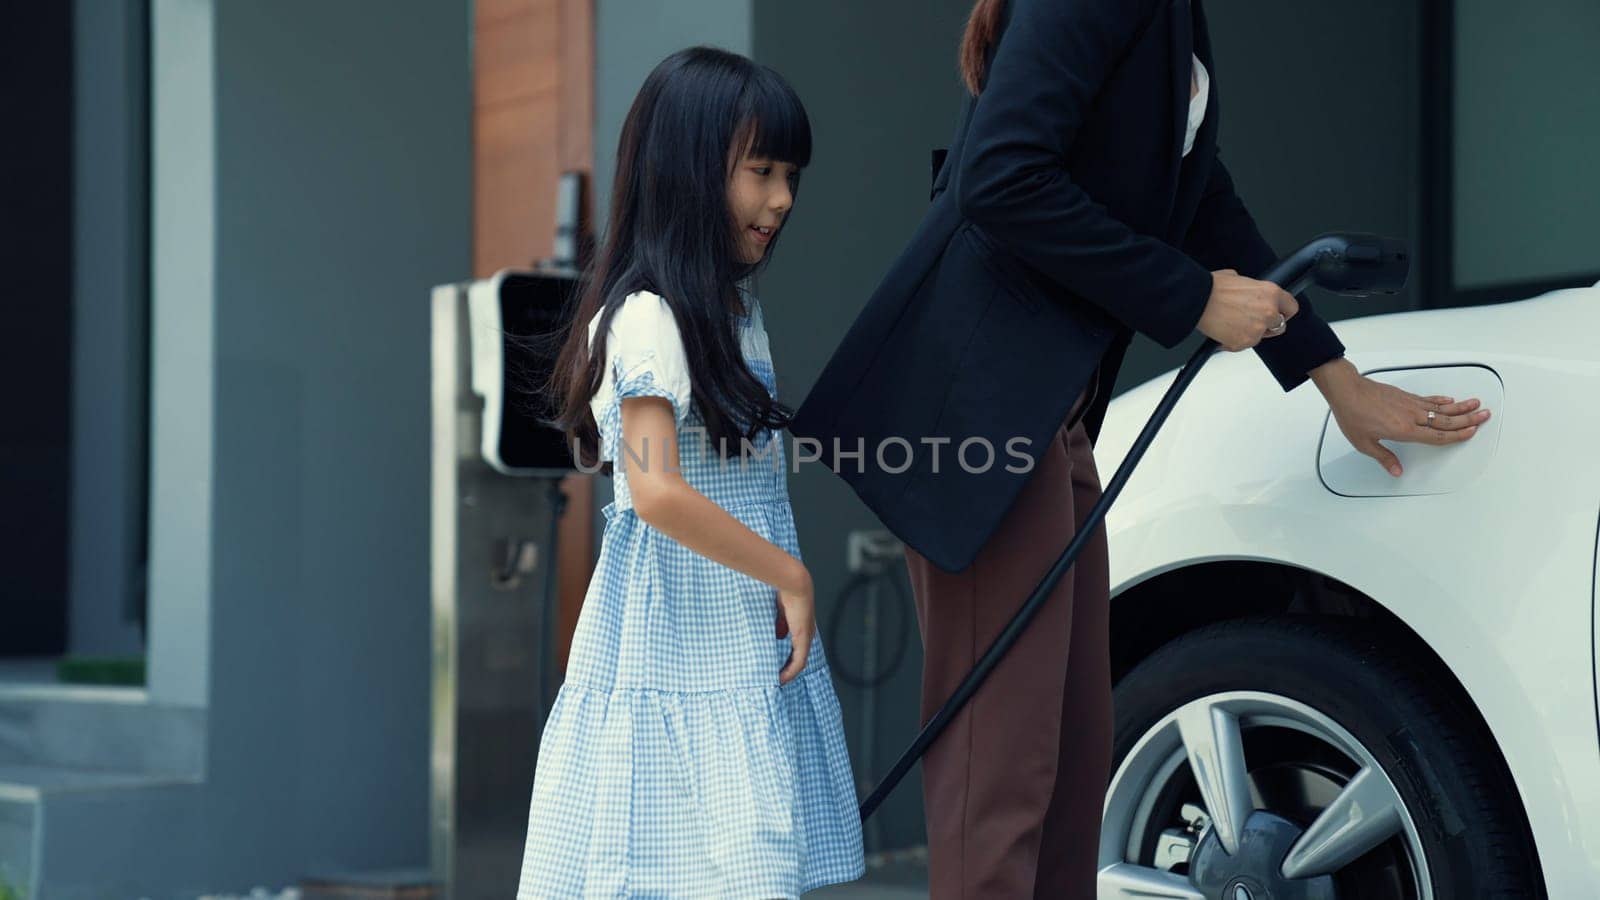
533	119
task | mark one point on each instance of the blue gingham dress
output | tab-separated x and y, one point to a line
672	763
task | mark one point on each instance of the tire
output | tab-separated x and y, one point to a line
1465	813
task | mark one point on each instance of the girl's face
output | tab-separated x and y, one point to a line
760	193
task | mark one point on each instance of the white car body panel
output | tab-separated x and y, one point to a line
1497	576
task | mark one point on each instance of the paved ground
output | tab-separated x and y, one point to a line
896	881
862	890
902	881
877	886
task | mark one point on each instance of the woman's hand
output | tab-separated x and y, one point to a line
1369	411
1242	311
797	615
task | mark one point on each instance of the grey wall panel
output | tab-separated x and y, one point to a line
1527	139
343	192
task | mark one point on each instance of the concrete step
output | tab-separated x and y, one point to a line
19	840
95	783
42	781
89	834
99	728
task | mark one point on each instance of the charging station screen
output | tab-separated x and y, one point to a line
531	312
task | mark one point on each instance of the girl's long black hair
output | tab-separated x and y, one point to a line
671	233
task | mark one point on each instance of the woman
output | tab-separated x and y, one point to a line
1082	201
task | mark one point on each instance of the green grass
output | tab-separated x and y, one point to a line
7	892
126	671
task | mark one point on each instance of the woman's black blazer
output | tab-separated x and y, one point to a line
1064	218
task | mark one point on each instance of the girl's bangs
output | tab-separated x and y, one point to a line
781	128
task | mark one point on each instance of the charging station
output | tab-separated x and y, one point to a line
497	469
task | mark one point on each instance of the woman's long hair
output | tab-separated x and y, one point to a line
983	28
671	232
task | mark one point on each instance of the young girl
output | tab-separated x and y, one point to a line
696	748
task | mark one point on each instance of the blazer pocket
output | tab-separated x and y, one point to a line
1004	268
1034	291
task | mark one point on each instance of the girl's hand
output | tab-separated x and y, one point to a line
797	616
1369	411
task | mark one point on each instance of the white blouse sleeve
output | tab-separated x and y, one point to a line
645	356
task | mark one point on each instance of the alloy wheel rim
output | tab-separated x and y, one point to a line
1194	759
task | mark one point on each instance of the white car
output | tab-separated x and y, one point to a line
1331	682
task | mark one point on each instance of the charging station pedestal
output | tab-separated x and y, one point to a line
496	503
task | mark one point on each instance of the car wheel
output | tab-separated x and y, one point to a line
1305	759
